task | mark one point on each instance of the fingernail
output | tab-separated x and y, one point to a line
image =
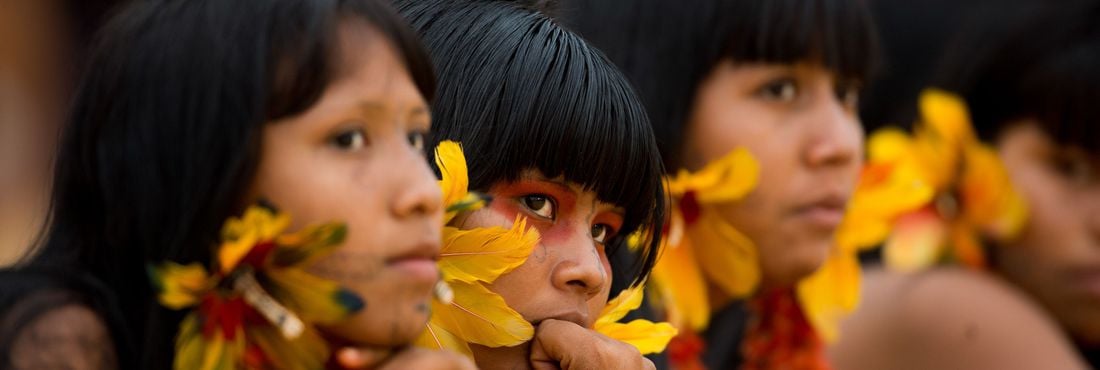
350	358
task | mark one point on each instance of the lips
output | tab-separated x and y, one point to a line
824	212
418	262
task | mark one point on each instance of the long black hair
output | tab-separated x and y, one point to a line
164	137
520	92
667	48
1045	66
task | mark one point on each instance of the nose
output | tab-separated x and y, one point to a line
580	268
836	137
418	194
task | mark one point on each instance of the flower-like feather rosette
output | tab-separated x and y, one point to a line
971	198
258	307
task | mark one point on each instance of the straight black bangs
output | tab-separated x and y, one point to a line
309	60
836	33
667	48
1045	70
519	92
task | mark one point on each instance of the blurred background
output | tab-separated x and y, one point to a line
43	45
42	49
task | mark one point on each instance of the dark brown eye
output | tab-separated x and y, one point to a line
349	140
540	205
848	95
782	89
599	233
1075	167
416	140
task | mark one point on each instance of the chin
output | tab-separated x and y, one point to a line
377	328
798	262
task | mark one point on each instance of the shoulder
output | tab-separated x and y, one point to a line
49	326
951	318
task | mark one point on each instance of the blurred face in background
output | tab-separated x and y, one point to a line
1057	258
800	123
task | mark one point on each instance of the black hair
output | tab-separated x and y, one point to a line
164	137
520	92
1043	68
667	48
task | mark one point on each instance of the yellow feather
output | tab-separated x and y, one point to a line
455	183
190	346
239	235
435	337
642	334
181	286
646	336
990	200
480	316
312	298
307	352
483	254
727	179
627	300
727	257
886	190
681	286
308	245
831	293
214	353
947	114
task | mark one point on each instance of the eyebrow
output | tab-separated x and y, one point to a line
370	109
534	176
530	176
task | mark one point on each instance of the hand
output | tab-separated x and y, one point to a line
360	358
568	346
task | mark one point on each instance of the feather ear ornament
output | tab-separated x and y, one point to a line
469	261
257	308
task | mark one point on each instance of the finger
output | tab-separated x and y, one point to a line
558	343
360	357
419	358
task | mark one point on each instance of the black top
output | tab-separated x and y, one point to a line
723	337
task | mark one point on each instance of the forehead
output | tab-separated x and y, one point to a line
559	182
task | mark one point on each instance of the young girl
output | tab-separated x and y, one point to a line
754	103
190	113
555	136
1029	94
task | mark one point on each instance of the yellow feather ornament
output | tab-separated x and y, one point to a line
648	337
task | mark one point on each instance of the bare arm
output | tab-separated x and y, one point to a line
949	319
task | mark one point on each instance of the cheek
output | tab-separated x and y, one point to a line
395	307
1052	225
718	128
